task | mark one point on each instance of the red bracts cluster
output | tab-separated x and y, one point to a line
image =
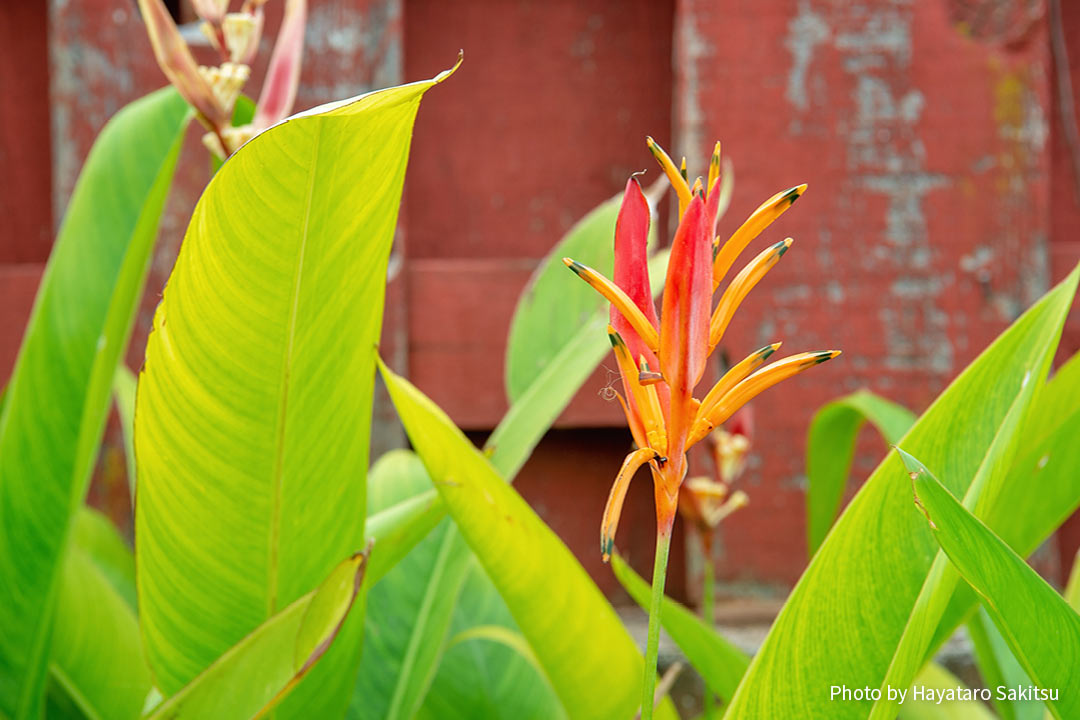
661	360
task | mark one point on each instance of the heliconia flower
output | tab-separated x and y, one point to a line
662	362
176	61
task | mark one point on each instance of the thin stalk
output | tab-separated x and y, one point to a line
652	648
708	613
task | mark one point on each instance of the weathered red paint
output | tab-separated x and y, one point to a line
924	229
25	150
546	119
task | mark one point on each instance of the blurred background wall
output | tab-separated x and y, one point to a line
938	138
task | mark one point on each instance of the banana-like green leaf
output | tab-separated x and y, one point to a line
124	396
999	668
587	654
942	580
830	449
553	309
488	669
1049	455
1039	626
58	395
828	632
720	664
250	678
254	405
937	679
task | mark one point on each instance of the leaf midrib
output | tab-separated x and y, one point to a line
283	389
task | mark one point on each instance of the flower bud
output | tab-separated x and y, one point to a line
241	35
226	82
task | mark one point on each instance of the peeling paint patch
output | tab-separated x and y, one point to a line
806	31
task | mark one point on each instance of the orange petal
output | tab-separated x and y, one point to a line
645	401
714	169
743	283
619	301
613	509
760	219
677	179
752	386
733	376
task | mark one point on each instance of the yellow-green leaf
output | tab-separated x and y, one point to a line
250	678
587	654
253	409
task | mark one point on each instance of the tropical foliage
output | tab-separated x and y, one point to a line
278	568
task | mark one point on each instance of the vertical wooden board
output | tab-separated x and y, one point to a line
25	171
923	137
547	119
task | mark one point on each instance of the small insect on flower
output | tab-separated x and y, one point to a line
661	360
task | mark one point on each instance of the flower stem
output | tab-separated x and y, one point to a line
708	614
652	648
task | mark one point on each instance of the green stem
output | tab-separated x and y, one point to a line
708	614
652	648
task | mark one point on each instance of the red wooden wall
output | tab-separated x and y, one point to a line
942	195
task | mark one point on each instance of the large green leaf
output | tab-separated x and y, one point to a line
720	664
1050	455
254	406
58	395
266	665
97	663
942	580
587	654
95	535
830	449
1039	626
828	632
